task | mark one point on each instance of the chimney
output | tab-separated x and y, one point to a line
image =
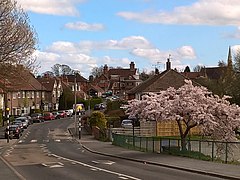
91	78
168	64
105	69
132	66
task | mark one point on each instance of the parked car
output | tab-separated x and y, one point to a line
99	106
37	118
48	116
127	123
69	112
56	115
19	123
14	131
24	120
62	114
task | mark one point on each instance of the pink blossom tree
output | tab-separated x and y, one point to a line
189	106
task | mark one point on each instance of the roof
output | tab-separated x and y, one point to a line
214	72
25	82
121	72
71	78
156	83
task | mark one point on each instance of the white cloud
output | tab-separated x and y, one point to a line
81	62
53	7
80	55
155	55
82	26
235	49
202	12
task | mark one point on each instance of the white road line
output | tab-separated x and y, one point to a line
33	141
97	168
57	140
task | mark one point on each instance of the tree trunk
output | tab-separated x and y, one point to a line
183	143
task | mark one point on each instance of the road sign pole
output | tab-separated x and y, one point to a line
79	127
8	130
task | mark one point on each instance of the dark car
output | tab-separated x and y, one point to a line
19	123
99	106
14	131
37	117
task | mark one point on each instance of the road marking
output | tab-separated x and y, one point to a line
57	140
96	168
122	177
33	141
21	141
53	164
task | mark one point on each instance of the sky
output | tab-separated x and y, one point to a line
84	34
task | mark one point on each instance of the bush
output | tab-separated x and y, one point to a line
98	119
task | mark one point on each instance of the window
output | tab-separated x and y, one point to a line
19	95
33	94
28	94
37	94
14	95
43	95
54	93
23	94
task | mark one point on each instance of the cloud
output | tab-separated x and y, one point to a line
79	61
82	26
234	35
202	12
156	55
53	7
235	49
81	55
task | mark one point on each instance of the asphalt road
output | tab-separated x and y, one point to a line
47	151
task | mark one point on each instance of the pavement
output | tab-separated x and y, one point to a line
215	169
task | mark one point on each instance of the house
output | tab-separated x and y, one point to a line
79	81
212	73
53	90
156	83
118	80
21	94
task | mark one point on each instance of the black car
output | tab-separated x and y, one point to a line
14	131
37	117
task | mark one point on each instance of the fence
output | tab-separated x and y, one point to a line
227	152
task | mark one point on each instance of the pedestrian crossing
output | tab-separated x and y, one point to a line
44	141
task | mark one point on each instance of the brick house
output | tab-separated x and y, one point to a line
21	94
81	84
53	90
118	80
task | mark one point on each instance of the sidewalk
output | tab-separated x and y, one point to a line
226	171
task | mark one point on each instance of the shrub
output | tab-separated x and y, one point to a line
98	119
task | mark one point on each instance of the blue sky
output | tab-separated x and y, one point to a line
91	33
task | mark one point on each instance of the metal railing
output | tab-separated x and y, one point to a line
227	152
